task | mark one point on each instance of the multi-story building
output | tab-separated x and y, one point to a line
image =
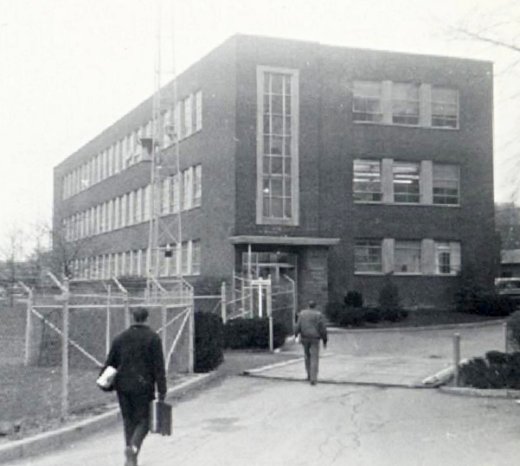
330	165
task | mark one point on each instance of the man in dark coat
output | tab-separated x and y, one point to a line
138	357
311	327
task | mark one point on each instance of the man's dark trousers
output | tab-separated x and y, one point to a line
311	348
135	409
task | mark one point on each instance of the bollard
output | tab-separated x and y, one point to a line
506	343
456	358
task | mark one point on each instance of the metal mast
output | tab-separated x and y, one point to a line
158	228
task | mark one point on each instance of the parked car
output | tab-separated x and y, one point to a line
509	287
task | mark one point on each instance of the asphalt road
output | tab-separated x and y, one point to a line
276	422
265	422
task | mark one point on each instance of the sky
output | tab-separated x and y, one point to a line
70	68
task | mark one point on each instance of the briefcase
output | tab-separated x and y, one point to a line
160	418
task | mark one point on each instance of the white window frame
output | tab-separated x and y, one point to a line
361	268
293	219
366	177
408	245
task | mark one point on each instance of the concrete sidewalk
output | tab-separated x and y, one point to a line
385	371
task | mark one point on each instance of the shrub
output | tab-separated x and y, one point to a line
389	295
513	329
393	314
496	370
351	317
253	333
209	342
354	299
372	315
333	310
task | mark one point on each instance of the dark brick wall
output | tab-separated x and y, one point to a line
328	143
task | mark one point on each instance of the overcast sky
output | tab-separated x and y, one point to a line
70	68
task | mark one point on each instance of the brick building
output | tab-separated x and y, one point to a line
332	166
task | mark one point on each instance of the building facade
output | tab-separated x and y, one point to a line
327	166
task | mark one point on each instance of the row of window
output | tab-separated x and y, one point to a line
390	180
413	257
134	207
404	103
180	123
185	260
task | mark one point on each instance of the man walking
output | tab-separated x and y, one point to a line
311	326
138	357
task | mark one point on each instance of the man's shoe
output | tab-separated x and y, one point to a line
131	456
313	382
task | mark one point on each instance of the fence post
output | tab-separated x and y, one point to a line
65	351
223	311
191	339
127	309
164	333
456	358
28	327
269	305
107	330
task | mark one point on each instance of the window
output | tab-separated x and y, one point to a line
367	255
138	196
277	160
367	180
185	258
195	257
197	185
446	184
445	108
176	193
188	116
198	111
187	189
405	103
367	102
165	196
447	258
146	203
406	182
407	257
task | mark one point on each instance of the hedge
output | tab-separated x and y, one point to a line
209	341
495	370
252	333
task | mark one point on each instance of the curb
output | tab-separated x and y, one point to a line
499	393
62	437
487	323
257	373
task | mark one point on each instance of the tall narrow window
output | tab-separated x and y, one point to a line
407	257
367	181
198	111
187	189
277	162
188	116
197	185
405	103
176	193
368	255
445	184
445	108
195	257
165	196
367	102
185	258
406	182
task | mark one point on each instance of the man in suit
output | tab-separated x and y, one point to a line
138	357
311	327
